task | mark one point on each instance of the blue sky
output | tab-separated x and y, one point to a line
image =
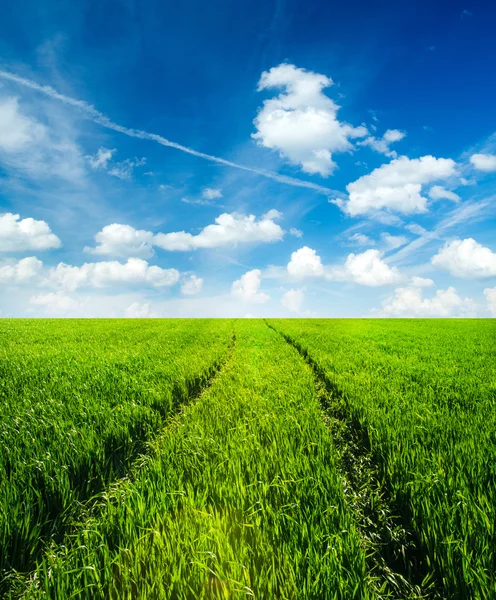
278	158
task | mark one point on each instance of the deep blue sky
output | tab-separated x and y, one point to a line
189	72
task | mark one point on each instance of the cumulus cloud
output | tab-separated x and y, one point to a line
421	282
382	144
466	258
366	268
437	192
301	122
228	229
103	274
56	302
192	286
248	286
490	294
484	162
296	232
211	193
18	235
292	300
409	302
21	271
396	186
305	262
123	241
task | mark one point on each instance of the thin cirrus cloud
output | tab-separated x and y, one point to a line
396	186
37	151
19	235
467	259
301	123
90	112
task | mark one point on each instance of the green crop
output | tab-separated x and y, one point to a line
78	401
288	459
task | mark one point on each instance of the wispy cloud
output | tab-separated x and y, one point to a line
101	119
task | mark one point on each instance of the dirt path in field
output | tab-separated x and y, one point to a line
392	548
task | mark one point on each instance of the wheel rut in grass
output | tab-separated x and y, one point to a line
115	462
396	563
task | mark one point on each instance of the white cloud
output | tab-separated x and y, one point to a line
122	170
421	282
211	193
101	158
36	149
296	232
56	302
103	274
490	294
366	268
437	192
396	186
293	300
361	239
382	144
305	262
18	235
301	122
193	285
484	162
248	286
136	310
392	242
228	229
97	117
466	258
20	271
409	302
123	241
16	129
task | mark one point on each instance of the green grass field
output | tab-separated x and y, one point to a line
280	459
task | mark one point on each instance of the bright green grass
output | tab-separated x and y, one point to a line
78	400
241	493
425	394
240	498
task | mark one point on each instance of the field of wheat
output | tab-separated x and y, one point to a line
278	459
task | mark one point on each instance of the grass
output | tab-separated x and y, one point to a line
217	459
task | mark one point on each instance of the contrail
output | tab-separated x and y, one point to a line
98	117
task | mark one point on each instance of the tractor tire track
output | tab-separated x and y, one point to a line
395	560
120	462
